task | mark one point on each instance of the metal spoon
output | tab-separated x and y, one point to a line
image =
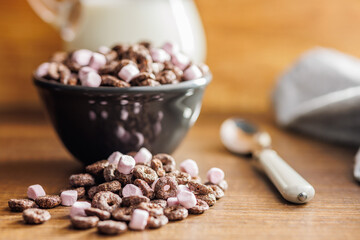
242	137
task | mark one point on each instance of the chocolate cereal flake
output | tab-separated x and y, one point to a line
218	192
122	214
157	165
145	173
97	169
157	221
80	222
200	207
199	188
181	178
101	214
92	191
111	227
19	205
167	161
48	201
165	187
176	213
145	188
106	200
210	198
154	209
82	180
35	216
113	186
133	200
161	202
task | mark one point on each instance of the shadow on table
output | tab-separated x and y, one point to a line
49	172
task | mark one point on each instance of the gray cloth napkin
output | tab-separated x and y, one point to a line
320	95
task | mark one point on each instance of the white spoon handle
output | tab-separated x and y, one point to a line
290	184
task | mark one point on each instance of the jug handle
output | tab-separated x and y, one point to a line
58	14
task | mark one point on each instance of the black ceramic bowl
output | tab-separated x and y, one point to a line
94	122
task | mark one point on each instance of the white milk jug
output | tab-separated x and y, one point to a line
93	23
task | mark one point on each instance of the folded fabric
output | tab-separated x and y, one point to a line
320	95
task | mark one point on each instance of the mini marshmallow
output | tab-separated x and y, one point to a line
187	199
204	68
104	49
192	72
189	166
68	198
114	158
180	60
128	72
97	61
215	175
42	70
159	55
157	67
172	201
131	190
92	79
78	208
139	219
171	48
182	188
126	164
35	191
82	57
84	71
143	156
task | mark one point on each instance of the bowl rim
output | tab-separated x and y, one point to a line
196	83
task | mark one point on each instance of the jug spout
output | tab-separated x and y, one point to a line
61	15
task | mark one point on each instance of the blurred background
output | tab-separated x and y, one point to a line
249	44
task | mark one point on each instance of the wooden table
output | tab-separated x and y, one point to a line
252	209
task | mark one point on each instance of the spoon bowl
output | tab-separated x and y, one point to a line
242	137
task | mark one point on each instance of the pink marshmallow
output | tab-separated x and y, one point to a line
128	72
82	57
139	219
180	60
154	183
97	61
92	79
126	164
143	156
104	49
114	158
78	208
192	72
171	48
159	55
42	70
69	197
84	71
35	191
173	201
187	199
215	175
157	67
204	68
131	190
189	166
182	188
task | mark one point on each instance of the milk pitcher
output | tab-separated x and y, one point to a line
93	23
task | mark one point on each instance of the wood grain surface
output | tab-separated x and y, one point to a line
250	43
30	153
